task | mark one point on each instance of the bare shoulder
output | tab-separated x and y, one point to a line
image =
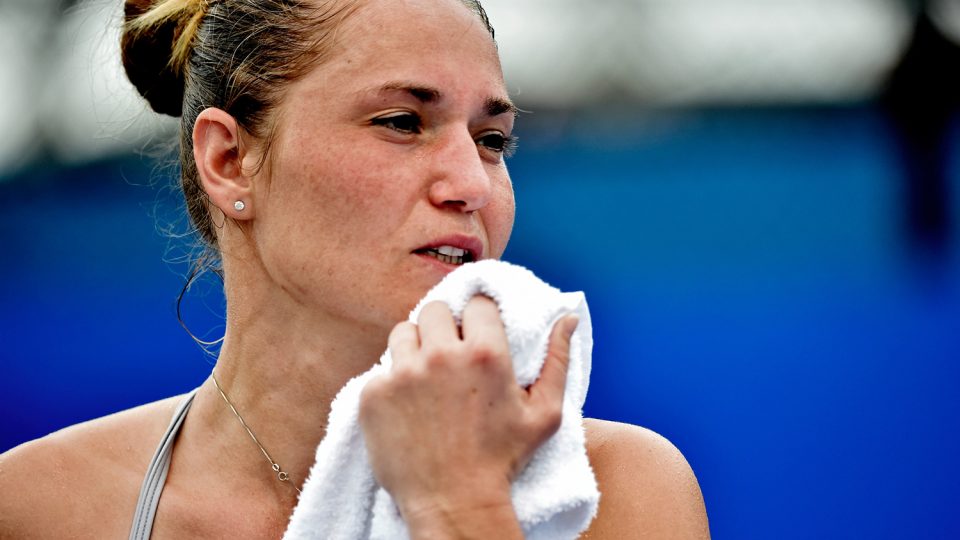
647	488
82	481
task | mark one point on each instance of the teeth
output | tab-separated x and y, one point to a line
448	254
451	251
449	259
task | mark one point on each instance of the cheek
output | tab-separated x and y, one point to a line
340	192
499	218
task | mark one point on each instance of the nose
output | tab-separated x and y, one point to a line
459	176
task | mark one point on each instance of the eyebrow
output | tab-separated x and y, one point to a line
498	106
493	106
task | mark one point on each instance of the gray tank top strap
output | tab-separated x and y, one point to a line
157	475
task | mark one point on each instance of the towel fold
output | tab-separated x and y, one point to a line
555	496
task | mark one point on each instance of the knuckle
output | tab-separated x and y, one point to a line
484	353
370	396
488	356
439	355
551	419
553	354
559	352
560	344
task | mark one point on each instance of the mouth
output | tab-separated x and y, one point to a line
455	250
448	254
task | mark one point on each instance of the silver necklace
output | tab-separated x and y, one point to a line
282	475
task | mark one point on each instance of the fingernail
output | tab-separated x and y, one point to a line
570	324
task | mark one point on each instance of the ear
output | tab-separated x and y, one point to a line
217	153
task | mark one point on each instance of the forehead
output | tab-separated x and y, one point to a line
442	41
423	23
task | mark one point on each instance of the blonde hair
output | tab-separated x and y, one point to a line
187	15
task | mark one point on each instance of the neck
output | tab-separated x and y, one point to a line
281	369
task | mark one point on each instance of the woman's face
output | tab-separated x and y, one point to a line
387	153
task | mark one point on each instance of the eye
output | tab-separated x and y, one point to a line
499	143
404	122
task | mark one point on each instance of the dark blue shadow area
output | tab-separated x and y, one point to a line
754	296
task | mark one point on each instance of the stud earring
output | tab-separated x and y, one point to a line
239	206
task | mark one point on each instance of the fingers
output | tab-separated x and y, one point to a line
436	324
404	340
480	322
483	327
547	392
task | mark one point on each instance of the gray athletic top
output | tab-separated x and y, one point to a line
157	475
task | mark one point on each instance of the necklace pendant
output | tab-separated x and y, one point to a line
283	476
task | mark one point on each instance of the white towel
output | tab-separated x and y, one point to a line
555	496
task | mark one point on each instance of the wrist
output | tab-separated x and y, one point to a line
468	513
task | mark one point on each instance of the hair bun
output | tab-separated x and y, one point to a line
148	44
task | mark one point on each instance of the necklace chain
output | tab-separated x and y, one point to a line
282	475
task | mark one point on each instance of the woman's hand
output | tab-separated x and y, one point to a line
449	428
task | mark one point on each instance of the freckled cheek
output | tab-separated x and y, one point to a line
355	203
335	177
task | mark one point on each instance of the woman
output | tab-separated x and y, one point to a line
340	157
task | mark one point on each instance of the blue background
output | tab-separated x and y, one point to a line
756	296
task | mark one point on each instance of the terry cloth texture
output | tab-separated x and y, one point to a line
555	496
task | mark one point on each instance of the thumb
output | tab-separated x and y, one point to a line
548	390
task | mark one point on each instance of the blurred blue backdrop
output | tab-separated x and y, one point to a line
757	293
